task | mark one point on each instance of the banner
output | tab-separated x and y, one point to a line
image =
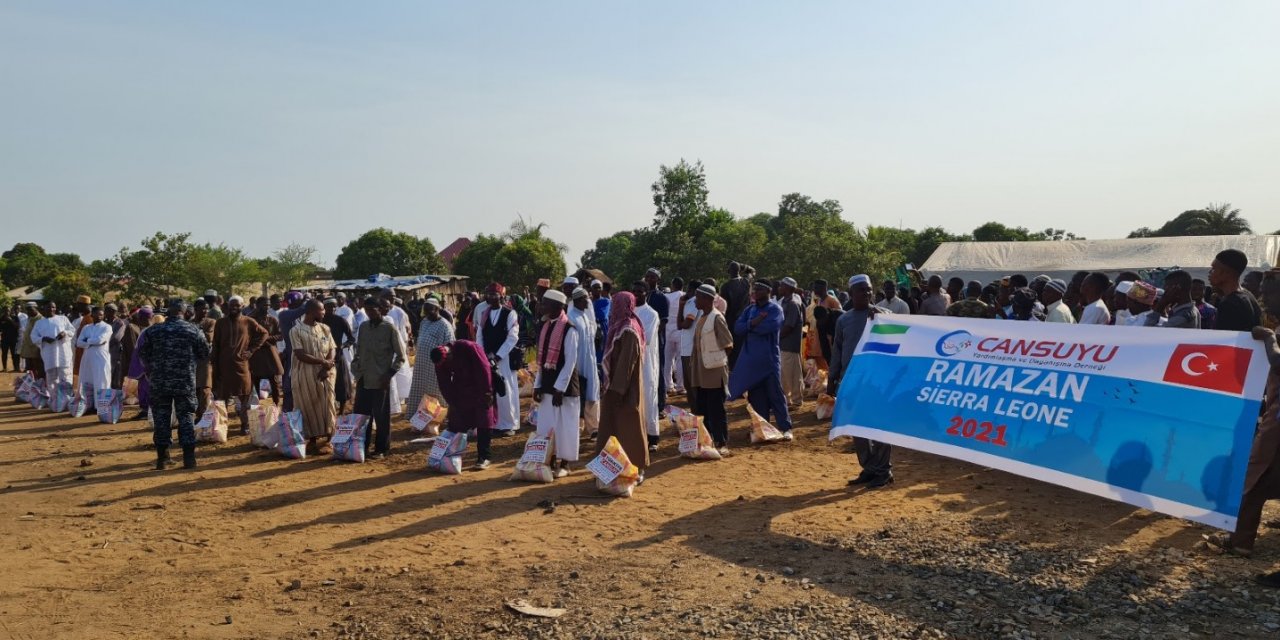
1158	418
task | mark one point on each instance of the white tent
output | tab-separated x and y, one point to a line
990	261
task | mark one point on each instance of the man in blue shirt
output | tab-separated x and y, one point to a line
758	371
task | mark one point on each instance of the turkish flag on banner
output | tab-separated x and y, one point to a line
1217	367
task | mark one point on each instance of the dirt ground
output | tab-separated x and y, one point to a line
768	543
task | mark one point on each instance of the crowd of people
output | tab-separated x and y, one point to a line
602	361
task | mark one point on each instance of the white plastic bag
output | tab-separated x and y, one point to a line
534	464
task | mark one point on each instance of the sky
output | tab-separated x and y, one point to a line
258	124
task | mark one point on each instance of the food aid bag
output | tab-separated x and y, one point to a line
810	375
109	403
695	440
427	415
400	383
291	441
535	463
526	382
826	407
22	387
39	397
212	426
349	437
80	403
761	431
60	401
615	475
446	453
395	400
264	389
130	387
532	420
262	420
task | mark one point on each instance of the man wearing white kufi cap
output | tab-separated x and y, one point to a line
556	385
873	456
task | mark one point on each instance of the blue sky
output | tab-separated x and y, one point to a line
263	123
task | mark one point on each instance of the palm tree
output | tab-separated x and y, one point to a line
522	228
1215	220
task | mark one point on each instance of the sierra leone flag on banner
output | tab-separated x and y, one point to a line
885	338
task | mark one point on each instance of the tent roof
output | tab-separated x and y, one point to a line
974	260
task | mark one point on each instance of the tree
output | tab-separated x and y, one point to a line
66	285
27	264
1213	220
477	260
156	270
518	258
1055	235
389	252
221	268
680	196
927	241
996	232
289	267
612	254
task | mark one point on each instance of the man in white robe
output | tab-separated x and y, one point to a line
403	380
583	317
650	363
671	363
559	402
95	363
497	333
54	334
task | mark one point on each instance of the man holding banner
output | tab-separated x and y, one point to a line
1086	407
877	470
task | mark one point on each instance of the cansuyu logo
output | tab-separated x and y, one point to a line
953	343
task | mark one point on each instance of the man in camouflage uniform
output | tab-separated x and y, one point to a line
972	306
169	355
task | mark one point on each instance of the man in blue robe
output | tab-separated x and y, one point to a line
758	371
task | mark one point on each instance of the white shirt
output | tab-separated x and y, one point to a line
401	320
673	314
1140	320
1058	312
345	313
513	331
358	318
1096	313
95	366
896	305
56	354
686	335
22	323
650	363
585	321
570	350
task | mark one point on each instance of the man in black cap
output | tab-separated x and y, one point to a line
169	354
1238	310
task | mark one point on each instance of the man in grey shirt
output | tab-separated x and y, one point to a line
1177	302
877	470
789	338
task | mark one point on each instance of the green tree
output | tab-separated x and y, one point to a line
1213	220
517	258
390	252
66	285
477	260
927	241
680	196
289	267
221	268
158	269
27	264
997	232
612	254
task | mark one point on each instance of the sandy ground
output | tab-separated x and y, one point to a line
768	543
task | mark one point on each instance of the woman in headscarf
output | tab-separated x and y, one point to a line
466	381
463	328
620	404
433	331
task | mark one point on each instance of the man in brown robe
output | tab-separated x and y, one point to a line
620	406
204	368
265	363
235	338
